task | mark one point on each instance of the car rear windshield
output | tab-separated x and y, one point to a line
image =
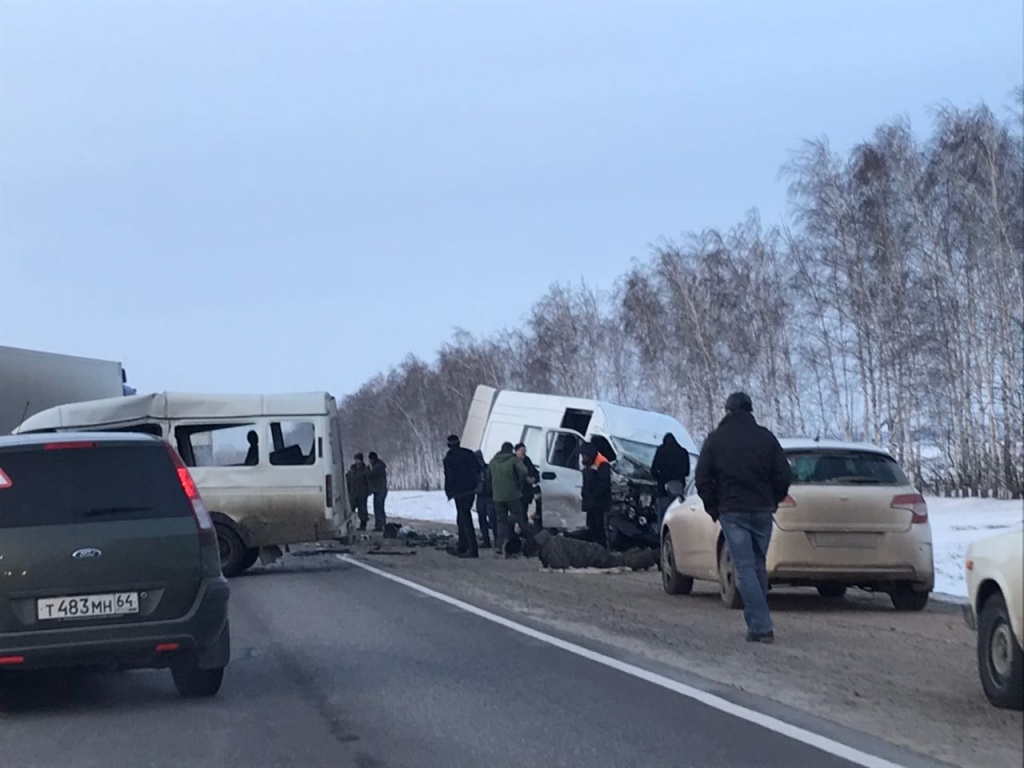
844	468
94	484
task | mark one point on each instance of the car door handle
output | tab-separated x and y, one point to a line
548	476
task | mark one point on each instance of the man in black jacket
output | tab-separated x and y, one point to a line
671	462
379	489
531	488
358	480
485	503
742	476
461	477
597	492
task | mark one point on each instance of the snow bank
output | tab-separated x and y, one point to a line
955	524
958	522
428	506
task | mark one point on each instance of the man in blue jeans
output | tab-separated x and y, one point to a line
742	476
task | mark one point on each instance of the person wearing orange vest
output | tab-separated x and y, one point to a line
597	492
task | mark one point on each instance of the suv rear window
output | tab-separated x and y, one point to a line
844	468
95	484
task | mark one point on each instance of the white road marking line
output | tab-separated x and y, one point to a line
823	743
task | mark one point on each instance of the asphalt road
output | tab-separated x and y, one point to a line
334	666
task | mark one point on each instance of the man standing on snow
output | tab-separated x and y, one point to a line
358	480
461	476
508	474
742	476
379	489
596	496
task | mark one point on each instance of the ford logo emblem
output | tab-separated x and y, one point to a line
87	552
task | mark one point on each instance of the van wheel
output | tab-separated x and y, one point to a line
1000	658
727	583
904	598
193	682
232	551
672	580
251	556
832	591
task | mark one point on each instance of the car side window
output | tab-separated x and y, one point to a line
219	445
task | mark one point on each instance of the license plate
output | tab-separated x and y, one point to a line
845	540
87	606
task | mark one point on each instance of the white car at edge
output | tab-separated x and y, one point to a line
995	588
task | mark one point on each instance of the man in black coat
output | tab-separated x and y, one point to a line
596	496
485	503
742	476
461	478
671	462
379	489
531	488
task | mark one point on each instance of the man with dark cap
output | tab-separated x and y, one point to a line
379	489
596	496
358	481
742	476
461	476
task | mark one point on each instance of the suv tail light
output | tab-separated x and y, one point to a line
787	502
914	503
69	445
207	533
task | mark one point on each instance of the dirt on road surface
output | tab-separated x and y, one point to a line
909	678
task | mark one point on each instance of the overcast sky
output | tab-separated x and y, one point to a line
266	196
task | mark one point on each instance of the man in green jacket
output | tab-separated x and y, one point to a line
508	474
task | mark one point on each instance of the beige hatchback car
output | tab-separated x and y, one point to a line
852	519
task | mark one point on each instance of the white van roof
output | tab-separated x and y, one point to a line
175	405
617	420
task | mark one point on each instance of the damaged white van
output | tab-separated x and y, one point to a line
553	428
270	467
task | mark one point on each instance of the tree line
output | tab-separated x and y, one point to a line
889	308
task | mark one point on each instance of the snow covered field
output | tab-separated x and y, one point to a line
955	524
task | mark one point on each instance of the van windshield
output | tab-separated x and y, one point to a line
639	453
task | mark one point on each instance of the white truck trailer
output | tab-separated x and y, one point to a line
32	381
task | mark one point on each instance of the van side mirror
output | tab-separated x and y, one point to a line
675	488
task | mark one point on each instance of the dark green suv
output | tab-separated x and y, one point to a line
108	558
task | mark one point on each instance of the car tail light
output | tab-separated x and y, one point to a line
11	660
914	503
329	490
167	647
68	445
207	533
787	502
